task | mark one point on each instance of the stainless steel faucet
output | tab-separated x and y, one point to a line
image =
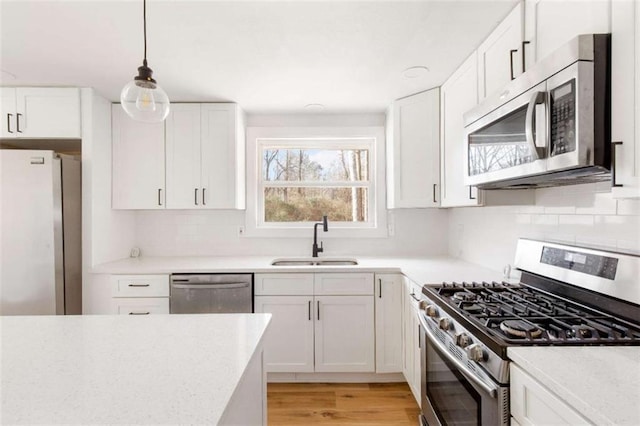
325	228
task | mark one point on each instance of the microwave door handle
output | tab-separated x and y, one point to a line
536	99
490	389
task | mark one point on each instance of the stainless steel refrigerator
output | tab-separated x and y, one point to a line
40	233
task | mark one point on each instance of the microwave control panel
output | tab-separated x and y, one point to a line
563	118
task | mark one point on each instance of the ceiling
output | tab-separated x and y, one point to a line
268	56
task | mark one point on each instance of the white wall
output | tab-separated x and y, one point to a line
106	234
579	214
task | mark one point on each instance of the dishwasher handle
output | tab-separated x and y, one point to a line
221	286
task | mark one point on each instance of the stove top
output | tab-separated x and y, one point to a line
515	314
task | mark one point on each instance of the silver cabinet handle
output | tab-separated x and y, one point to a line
9	123
204	198
139	285
18	115
139	313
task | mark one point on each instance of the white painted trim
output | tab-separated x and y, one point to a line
378	225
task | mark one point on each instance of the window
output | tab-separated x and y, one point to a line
302	174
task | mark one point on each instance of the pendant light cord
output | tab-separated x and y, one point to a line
144	24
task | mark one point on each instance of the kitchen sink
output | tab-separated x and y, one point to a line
313	261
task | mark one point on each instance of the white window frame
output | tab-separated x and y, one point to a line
336	138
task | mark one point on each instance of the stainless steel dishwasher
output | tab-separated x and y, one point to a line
211	293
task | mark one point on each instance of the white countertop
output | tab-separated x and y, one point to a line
600	382
121	369
432	270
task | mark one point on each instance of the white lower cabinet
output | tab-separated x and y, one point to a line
388	301
317	332
139	294
289	343
533	404
411	337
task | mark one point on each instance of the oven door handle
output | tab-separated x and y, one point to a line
491	389
536	99
221	286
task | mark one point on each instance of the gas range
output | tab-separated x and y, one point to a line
566	295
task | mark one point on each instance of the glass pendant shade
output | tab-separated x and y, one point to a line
143	100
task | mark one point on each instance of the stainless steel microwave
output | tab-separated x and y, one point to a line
551	126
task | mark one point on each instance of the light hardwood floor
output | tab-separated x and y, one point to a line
371	404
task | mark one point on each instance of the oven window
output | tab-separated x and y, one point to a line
454	400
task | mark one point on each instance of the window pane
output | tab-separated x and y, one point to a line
310	204
315	165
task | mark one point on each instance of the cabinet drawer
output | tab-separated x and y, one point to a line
283	284
343	283
140	285
140	306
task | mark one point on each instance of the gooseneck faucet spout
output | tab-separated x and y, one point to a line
325	228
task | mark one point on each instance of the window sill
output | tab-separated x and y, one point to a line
307	232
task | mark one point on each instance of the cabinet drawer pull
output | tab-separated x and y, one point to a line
413	296
195	196
204	201
139	313
309	310
613	164
318	310
524	43
380	288
9	123
511	52
159	196
18	115
471	197
139	285
434	192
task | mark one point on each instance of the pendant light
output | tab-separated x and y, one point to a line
142	99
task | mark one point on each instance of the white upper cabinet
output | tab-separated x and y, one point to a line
40	112
413	167
500	55
625	97
551	23
137	161
184	189
458	95
204	148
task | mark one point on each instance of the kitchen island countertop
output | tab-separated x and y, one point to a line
157	369
602	383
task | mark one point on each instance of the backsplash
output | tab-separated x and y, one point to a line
417	232
579	214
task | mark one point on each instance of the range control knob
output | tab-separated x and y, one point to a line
444	323
422	305
431	311
475	352
463	340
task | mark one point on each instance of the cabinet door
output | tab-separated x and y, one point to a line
414	152
288	345
344	334
408	336
48	113
138	162
459	94
499	56
625	97
388	303
183	157
222	157
550	23
534	404
8	112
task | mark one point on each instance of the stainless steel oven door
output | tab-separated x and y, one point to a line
451	393
510	141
